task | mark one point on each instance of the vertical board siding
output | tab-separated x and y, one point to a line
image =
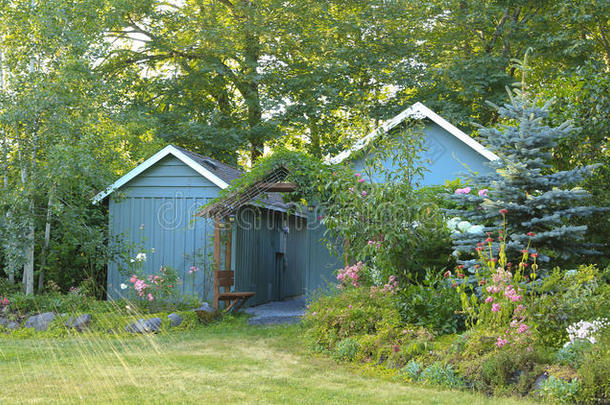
444	156
156	211
321	263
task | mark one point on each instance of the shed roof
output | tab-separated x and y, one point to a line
416	111
214	170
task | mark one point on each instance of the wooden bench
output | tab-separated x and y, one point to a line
225	279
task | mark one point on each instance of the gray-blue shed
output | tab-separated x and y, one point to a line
153	207
447	153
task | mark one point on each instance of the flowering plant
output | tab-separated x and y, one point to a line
499	303
586	331
4	302
350	275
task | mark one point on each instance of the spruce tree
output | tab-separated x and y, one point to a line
538	204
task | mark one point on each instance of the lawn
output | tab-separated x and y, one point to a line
229	362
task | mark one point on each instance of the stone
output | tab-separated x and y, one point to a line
40	322
152	325
175	320
7	323
206	313
80	324
539	381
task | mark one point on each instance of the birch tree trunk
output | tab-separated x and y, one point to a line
45	246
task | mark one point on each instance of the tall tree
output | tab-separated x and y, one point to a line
538	204
223	74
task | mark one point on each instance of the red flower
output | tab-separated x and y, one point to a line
482	282
531	234
489	240
447	274
534	255
461	275
503	211
396	348
461	266
454	284
524	251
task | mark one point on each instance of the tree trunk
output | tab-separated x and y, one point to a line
28	267
45	246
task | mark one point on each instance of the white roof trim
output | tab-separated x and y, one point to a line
416	111
168	150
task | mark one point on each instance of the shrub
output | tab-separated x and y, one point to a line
439	374
412	370
559	391
352	312
594	372
572	354
563	298
347	349
431	303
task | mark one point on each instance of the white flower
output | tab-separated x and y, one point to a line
464	226
152	250
584	330
132	260
475	229
123	286
141	257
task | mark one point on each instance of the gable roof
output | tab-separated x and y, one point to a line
214	170
416	111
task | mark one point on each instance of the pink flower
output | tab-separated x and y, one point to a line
530	234
495	307
150	297
483	193
503	211
523	328
349	306
361	180
357	174
501	342
133	279
194	269
351	189
364	193
447	274
489	299
314	313
464	190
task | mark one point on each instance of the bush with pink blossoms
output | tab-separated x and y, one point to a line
350	275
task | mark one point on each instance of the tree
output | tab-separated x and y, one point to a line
538	203
219	75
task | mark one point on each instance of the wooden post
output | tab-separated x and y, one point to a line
216	260
228	246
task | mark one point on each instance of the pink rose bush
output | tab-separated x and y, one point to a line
154	286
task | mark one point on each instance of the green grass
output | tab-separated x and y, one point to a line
228	362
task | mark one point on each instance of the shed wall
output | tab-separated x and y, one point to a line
448	158
156	211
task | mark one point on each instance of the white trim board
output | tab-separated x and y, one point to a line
168	150
416	111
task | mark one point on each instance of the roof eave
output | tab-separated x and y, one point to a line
151	161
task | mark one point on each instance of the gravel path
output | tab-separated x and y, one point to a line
288	311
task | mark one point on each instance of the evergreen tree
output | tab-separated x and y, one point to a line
538	204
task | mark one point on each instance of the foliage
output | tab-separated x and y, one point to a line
347	349
389	224
439	374
353	312
594	372
549	204
431	303
563	298
412	370
559	391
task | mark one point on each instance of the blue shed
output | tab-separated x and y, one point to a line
270	250
447	153
152	209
